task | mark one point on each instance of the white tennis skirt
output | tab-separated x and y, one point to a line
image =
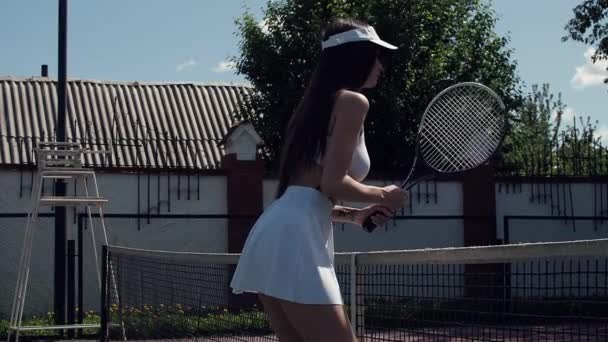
289	253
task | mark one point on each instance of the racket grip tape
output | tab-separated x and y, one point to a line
368	225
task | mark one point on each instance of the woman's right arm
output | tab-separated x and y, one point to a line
350	109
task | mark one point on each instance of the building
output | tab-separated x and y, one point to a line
182	176
167	178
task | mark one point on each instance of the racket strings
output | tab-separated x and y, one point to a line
457	136
445	160
446	127
483	111
434	145
481	124
457	113
449	162
490	117
474	142
460	148
440	159
461	129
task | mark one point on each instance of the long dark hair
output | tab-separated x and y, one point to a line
345	66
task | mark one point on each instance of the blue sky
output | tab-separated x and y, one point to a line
536	28
191	40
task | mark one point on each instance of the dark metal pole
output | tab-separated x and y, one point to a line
62	68
71	311
81	223
103	336
60	212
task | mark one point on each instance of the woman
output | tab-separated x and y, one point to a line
288	256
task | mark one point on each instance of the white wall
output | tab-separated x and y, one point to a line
40	286
121	190
210	235
523	200
510	201
536	199
402	233
176	234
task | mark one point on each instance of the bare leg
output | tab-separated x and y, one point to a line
278	320
315	323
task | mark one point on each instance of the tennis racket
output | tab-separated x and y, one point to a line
461	128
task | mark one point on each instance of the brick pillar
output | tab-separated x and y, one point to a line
479	209
244	189
244	196
479	202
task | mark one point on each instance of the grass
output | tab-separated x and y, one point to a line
180	321
162	320
90	317
528	311
177	321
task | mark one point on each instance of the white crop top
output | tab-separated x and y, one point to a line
360	163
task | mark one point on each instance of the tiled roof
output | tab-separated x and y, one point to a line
154	125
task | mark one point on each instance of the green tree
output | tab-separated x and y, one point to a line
538	145
580	152
441	42
534	131
590	26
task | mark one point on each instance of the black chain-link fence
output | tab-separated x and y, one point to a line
187	233
184	233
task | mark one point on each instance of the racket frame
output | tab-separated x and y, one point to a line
417	153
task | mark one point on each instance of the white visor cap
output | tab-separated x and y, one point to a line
356	35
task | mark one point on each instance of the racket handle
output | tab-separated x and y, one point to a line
368	225
405	185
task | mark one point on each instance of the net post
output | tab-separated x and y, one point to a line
103	333
353	294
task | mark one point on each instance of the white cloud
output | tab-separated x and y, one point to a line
224	66
590	74
264	26
602	132
189	64
568	114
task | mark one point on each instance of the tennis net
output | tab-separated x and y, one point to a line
554	291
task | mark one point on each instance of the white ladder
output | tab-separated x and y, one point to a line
56	160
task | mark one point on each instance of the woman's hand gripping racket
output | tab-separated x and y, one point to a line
460	129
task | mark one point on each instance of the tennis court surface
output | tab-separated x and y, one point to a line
529	292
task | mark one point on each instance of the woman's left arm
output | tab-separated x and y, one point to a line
381	214
343	214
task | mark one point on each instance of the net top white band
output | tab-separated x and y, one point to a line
356	35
